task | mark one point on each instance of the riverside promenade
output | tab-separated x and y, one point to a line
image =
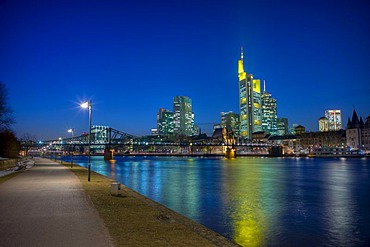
47	206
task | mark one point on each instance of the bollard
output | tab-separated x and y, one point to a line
115	189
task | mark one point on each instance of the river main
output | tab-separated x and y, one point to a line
257	201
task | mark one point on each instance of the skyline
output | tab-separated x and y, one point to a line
133	58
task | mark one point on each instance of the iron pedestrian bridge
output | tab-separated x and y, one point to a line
119	142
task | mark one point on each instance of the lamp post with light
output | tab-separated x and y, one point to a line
72	147
89	106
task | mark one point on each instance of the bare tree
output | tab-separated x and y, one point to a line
6	113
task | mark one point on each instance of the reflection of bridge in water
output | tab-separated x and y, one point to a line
109	140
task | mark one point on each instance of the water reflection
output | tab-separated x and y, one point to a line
257	201
255	204
340	205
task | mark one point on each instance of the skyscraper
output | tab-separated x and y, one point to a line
249	102
282	126
165	122
230	120
269	112
335	119
183	117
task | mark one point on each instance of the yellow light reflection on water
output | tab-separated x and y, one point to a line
253	210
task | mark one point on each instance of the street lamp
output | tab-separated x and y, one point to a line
89	106
72	147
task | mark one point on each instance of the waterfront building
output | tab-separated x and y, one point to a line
311	140
230	120
183	117
165	123
249	102
100	134
358	133
269	112
323	124
282	126
335	119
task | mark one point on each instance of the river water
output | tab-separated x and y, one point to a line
257	201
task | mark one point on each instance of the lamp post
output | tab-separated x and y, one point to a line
72	147
89	106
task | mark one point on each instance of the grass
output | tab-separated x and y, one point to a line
7	177
134	220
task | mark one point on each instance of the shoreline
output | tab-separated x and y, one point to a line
132	216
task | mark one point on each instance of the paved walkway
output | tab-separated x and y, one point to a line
46	206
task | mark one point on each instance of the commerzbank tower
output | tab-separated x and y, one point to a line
249	102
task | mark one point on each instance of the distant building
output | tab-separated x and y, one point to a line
335	119
100	134
282	126
358	133
269	112
230	120
323	124
249	102
298	130
310	140
154	132
165	124
183	117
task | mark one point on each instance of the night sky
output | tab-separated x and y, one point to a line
132	57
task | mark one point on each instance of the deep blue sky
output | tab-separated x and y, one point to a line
133	57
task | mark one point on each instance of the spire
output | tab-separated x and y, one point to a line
241	71
355	120
264	85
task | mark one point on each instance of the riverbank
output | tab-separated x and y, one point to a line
134	220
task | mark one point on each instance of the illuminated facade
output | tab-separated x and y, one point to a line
323	124
335	119
230	120
100	134
183	117
282	126
269	112
249	102
165	122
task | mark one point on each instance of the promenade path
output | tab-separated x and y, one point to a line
47	206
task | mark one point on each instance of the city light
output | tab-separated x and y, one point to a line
88	105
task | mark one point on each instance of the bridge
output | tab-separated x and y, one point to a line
109	141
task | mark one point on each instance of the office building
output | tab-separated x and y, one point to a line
269	112
183	116
230	120
323	124
249	102
165	123
282	126
335	119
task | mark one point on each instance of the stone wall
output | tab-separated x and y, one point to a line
7	163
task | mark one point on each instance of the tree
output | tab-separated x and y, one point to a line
6	113
9	145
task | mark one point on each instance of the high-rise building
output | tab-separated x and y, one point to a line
183	116
230	120
269	112
282	126
165	122
323	124
335	119
249	102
